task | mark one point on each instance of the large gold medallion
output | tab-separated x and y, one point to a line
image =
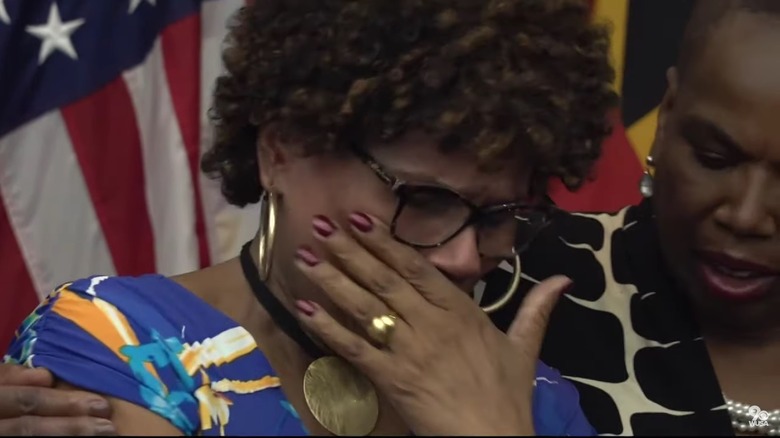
341	398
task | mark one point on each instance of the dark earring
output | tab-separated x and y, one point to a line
646	183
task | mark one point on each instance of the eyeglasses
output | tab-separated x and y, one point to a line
429	216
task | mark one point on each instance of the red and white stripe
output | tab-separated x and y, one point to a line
65	213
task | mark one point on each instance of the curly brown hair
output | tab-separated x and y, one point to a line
498	76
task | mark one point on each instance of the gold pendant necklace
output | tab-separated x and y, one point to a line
341	398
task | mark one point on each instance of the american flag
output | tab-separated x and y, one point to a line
103	109
103	116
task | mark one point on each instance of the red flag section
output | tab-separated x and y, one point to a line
615	181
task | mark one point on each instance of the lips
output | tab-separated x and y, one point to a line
735	278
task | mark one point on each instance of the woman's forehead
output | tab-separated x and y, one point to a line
736	85
742	56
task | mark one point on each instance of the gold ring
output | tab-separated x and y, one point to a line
382	328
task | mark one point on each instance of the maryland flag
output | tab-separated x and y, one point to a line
645	38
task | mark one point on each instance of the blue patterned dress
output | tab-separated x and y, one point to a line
151	342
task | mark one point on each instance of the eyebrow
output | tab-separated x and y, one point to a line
467	193
698	127
419	178
412	177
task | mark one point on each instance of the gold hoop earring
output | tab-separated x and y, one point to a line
267	233
510	292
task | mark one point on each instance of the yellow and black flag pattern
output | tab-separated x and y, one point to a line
645	39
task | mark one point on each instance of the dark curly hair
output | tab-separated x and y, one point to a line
499	76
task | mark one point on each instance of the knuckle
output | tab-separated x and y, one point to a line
415	268
75	403
404	388
363	312
333	282
26	401
344	253
355	349
330	278
383	283
326	328
25	426
407	380
537	323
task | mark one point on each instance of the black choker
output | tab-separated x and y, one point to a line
281	316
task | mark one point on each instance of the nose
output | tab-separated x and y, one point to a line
747	213
459	258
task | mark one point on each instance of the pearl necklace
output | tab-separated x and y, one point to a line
741	419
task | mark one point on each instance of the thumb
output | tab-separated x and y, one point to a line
530	324
18	375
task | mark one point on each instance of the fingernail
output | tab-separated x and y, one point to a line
362	222
99	408
306	256
306	307
104	427
568	288
323	226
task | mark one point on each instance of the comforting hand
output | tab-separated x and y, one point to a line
29	406
446	368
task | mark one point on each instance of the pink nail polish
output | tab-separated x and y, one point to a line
323	226
306	256
306	307
361	222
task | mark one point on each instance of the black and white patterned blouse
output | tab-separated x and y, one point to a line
622	334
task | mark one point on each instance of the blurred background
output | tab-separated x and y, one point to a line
104	113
